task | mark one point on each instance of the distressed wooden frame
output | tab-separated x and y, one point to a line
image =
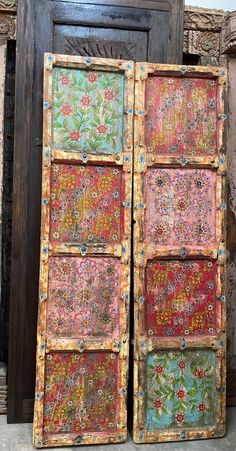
143	344
122	251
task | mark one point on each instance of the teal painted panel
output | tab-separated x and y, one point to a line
87	111
180	389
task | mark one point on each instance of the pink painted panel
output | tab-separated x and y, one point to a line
181	207
181	115
81	392
84	297
181	297
86	203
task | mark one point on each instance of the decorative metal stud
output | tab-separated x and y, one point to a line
183	252
45	202
83	250
183	345
183	69
88	60
84	157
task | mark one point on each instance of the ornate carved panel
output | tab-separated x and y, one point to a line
83	330
179	254
205	43
8	5
7	26
203	19
94	47
228	41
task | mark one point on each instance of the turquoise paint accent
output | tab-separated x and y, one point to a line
167	381
87	111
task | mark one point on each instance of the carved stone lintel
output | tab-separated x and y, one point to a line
228	36
203	19
7	26
8	5
203	43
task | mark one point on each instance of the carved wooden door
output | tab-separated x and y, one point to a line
83	331
179	210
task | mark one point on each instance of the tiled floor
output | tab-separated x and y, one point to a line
18	437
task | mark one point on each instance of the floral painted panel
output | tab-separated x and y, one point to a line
181	207
180	297
86	203
181	116
80	392
87	112
84	297
181	389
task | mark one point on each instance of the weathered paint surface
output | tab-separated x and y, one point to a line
181	389
83	297
180	207
181	117
86	204
181	297
179	255
88	110
81	393
83	330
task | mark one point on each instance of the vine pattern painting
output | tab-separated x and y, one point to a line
87	110
181	389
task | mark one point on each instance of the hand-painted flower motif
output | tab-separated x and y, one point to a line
182	365
159	369
77	215
180	417
64	80
66	110
102	129
178	297
109	95
158	404
74	388
181	116
90	103
92	77
181	399
86	101
75	135
83	297
181	394
202	407
200	373
186	201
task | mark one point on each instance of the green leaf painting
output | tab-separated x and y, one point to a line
180	389
87	111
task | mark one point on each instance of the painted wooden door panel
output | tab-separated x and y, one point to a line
83	330
130	30
179	253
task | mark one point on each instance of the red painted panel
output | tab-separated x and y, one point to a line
81	392
83	297
86	203
181	115
181	297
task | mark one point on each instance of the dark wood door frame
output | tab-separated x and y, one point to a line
36	20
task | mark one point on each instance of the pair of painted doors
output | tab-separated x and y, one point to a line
98	114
